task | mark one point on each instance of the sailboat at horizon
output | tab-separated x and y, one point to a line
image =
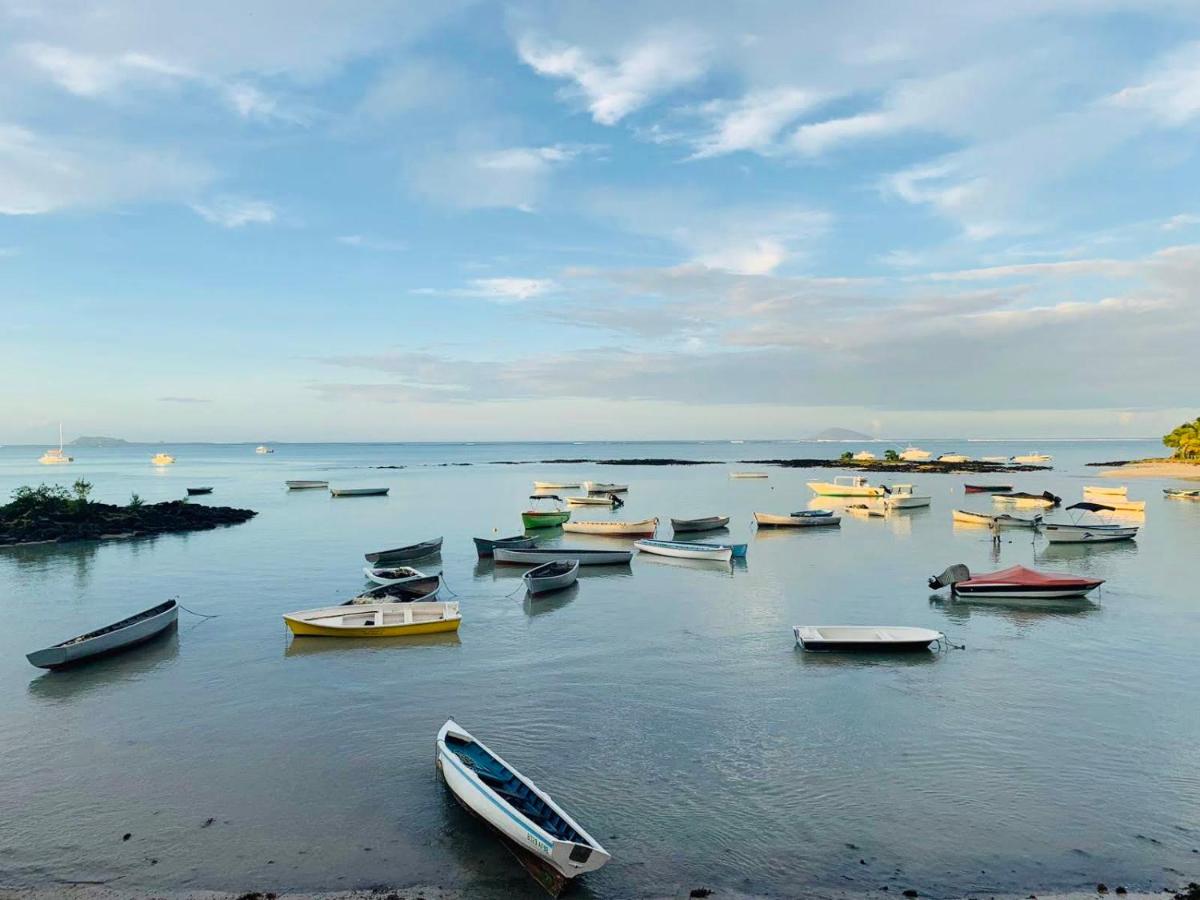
54	457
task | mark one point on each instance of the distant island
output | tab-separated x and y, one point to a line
98	441
841	434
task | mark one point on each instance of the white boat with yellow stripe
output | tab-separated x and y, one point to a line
375	620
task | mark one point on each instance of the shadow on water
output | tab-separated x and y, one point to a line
1021	612
104	671
547	603
705	566
309	645
824	660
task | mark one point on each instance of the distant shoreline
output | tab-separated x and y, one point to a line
1151	468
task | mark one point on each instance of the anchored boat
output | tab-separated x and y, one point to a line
613	528
586	557
551	576
1014	583
986	488
845	486
1116	490
914	454
866	638
374	620
405	553
119	636
1004	520
162	459
538	517
302	485
1181	494
1079	532
359	492
801	519
612	501
486	546
685	550
199	491
391	575
904	496
706	523
603	487
1044	500
554	485
748	475
1033	457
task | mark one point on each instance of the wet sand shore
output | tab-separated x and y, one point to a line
1155	469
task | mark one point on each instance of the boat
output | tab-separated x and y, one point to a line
1116	490
1033	457
554	485
748	475
684	550
1098	532
485	546
537	829
603	487
404	590
1181	494
986	488
305	485
1119	504
198	491
161	459
1014	583
586	557
359	492
111	639
914	454
995	459
545	518
613	527
391	574
811	513
57	457
1021	498
845	486
901	496
866	510
737	551
794	520
263	448
375	620
551	576
953	458
1004	520
866	638
612	500
706	523
863	456
407	552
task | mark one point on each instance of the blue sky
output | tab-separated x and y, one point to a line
466	220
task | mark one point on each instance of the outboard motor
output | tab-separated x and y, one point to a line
956	573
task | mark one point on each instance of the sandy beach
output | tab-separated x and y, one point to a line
1155	469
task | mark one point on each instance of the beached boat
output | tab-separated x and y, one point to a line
375	620
551	576
263	448
795	520
199	491
1004	520
527	818
359	492
1081	532
404	590
111	639
866	638
1014	583
748	475
845	486
405	553
1181	494
302	485
611	501
586	557
1115	490
953	458
545	517
863	456
987	488
1043	500
554	485
705	523
57	457
1033	457
613	527
603	487
391	574
914	454
161	459
684	550
903	496
486	546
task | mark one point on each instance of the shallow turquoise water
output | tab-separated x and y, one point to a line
663	704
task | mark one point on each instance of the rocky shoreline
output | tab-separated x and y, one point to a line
58	523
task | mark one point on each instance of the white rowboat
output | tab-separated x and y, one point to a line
586	557
748	475
590	501
359	492
551	576
392	575
645	526
684	550
603	487
865	638
305	485
111	639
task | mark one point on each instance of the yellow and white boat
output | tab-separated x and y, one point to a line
845	486
373	620
162	459
56	457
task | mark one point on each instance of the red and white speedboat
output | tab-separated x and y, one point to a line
1015	583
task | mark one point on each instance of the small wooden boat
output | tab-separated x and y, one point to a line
613	528
603	487
1044	500
108	640
554	485
402	554
904	496
551	576
359	492
684	550
1004	520
402	591
795	521
986	488
586	557
914	454
1014	583
1116	490
1181	494
845	486
302	485
391	575
161	459
707	523
538	517
866	638
1097	532
527	818
486	546
596	500
374	620
748	475
1033	457
197	491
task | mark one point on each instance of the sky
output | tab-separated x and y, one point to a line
371	220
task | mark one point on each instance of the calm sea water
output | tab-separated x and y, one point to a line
663	704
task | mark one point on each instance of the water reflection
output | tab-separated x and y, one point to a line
309	645
705	566
131	665
1062	552
547	603
38	559
1019	611
822	660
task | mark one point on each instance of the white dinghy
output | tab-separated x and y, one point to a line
795	520
685	550
111	639
614	527
866	638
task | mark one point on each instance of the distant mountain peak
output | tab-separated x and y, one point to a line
840	434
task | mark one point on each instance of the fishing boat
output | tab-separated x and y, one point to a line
551	576
1033	457
953	458
1115	490
586	557
198	491
706	523
866	638
603	487
1004	520
613	528
748	475
863	456
111	639
795	520
1014	583
263	448
531	823
391	574
611	501
537	517
1181	494
486	546
301	485
903	496
554	485
57	457
684	550
845	486
1080	532
359	492
161	459
1044	500
914	454
407	552
404	590
375	620
986	488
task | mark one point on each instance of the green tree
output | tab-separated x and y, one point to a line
891	456
1185	440
135	502
847	456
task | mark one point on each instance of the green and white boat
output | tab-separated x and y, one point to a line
541	517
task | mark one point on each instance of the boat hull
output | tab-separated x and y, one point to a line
603	487
590	501
385	558
117	639
865	639
199	492
986	488
684	550
776	521
1082	534
614	529
710	523
485	547
828	489
351	621
554	485
550	577
540	555
545	519
906	501
359	492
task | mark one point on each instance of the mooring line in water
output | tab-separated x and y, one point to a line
194	613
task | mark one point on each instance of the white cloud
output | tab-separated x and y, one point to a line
1171	93
751	122
367	242
235	212
1182	220
510	289
506	177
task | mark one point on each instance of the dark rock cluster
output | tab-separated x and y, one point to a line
25	523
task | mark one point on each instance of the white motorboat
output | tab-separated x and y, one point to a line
914	454
554	485
162	459
845	486
866	638
590	500
1080	532
1033	457
902	496
684	550
863	456
262	449
953	458
1015	583
603	487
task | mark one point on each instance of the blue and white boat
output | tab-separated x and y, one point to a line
684	550
512	804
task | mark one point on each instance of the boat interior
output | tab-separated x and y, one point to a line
124	623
